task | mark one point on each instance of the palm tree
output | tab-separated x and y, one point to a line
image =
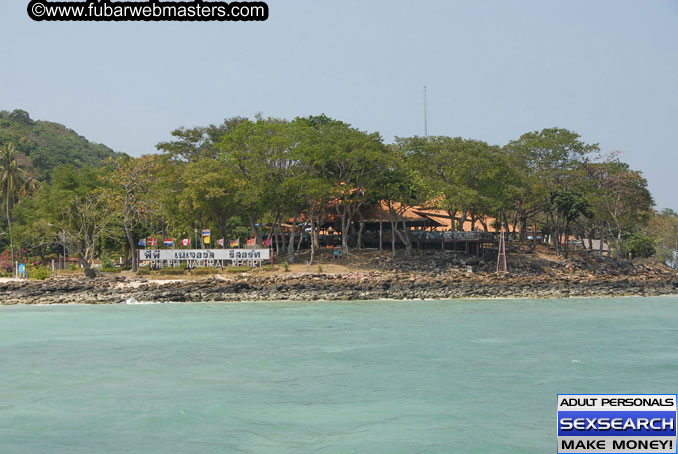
12	180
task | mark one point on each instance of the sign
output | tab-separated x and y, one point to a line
611	423
204	254
21	269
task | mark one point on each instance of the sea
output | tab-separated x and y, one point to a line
456	376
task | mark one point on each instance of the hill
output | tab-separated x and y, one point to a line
48	144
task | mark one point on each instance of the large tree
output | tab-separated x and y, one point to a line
543	160
13	183
467	178
663	227
192	144
129	193
620	199
566	206
79	210
351	161
259	155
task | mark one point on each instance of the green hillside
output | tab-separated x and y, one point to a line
48	144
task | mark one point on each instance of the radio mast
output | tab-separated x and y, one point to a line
501	264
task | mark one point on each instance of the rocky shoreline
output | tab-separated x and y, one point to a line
330	287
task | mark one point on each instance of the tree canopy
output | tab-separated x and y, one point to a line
279	180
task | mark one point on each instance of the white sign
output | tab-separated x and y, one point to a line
204	254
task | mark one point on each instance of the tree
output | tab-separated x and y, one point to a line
13	178
85	222
351	161
541	161
663	228
48	144
78	208
398	188
640	245
566	205
210	195
197	143
258	154
129	194
460	176
310	188
621	198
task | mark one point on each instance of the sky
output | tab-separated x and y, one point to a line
493	70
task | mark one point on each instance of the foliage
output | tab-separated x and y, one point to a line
621	200
205	271
171	271
14	183
238	269
108	266
252	178
6	262
640	245
128	191
111	270
80	212
39	272
49	145
569	204
663	227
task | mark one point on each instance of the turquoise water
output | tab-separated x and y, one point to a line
372	377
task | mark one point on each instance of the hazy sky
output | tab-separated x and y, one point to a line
494	70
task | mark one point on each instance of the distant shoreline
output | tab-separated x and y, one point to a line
352	286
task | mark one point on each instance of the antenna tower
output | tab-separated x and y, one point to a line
501	258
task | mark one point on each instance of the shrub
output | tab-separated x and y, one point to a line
143	271
285	266
39	272
238	269
267	267
320	269
171	271
110	270
205	271
640	245
106	263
